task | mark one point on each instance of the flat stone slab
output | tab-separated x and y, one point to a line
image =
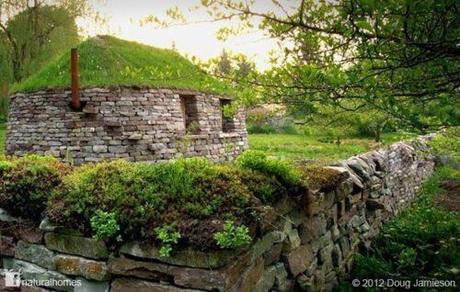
134	285
46	277
186	257
35	253
76	266
70	244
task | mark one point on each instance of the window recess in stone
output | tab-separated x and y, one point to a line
228	124
189	111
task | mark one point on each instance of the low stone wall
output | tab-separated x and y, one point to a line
307	244
137	124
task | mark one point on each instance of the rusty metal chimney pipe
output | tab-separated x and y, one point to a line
75	84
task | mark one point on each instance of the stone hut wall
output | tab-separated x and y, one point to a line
132	123
309	243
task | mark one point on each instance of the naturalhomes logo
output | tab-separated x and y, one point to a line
13	278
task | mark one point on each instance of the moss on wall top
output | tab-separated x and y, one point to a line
109	61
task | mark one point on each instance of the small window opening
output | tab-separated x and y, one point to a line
228	124
189	110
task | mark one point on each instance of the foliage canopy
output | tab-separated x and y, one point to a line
398	57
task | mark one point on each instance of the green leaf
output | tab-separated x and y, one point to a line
363	24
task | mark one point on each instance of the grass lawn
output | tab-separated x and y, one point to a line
301	147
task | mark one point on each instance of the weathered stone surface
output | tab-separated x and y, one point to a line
90	110
76	266
186	257
141	125
34	272
6	217
91	286
336	255
196	278
7	246
46	225
249	279
313	228
265	243
86	247
292	241
281	281
306	283
187	277
273	254
123	266
299	259
35	253
31	235
267	280
134	285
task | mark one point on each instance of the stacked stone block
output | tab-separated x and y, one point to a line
137	124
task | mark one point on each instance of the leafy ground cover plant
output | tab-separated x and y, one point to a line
104	225
168	237
232	236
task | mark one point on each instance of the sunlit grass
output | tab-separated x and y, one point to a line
302	147
108	61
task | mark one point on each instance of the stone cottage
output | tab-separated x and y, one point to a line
145	122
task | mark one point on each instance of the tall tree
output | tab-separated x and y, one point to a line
399	57
33	31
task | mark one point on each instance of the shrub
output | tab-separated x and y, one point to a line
184	193
286	173
232	236
104	225
27	182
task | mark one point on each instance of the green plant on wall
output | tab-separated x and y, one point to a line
168	237
104	225
232	236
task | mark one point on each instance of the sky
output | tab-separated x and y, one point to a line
198	40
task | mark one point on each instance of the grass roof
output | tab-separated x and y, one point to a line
109	61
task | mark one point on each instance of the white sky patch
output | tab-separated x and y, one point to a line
193	39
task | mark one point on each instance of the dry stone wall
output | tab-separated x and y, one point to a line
308	242
137	124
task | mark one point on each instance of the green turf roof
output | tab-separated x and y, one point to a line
108	61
